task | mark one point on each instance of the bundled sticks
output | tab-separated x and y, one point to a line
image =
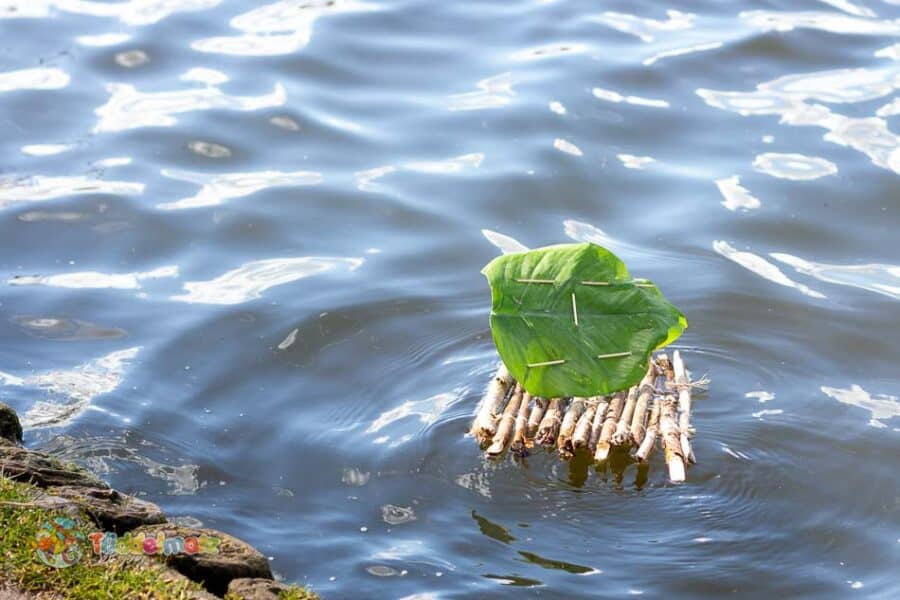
628	422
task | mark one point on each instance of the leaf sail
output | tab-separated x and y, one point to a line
559	312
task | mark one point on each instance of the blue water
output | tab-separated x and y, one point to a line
240	247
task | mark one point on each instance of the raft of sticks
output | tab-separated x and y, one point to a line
628	422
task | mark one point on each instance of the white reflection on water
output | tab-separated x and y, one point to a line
673	52
567	147
102	40
630	161
217	189
611	96
762	267
493	92
879	278
133	12
91	280
128	108
72	390
452	165
45	149
506	244
548	51
823	21
851	8
736	196
38	187
794	166
428	412
788	98
279	28
882	407
249	281
365	179
39	78
647	29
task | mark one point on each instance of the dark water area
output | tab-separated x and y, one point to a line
240	247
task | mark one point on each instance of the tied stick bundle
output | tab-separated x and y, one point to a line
631	421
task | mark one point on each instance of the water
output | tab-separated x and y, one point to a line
240	259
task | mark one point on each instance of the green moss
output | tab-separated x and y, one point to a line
297	593
90	577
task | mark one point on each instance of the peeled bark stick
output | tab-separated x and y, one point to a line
549	426
609	426
670	438
622	435
567	429
581	437
597	424
520	442
652	429
507	424
485	425
665	366
537	413
640	409
684	404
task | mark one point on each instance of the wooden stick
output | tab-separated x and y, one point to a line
597	425
567	429
652	429
521	443
671	439
507	423
622	435
549	426
683	383
485	425
640	409
534	419
582	435
609	426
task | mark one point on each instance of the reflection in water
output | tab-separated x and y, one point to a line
39	78
452	165
38	187
548	51
62	329
132	12
428	410
557	107
102	40
647	29
103	455
493	92
45	149
611	96
93	280
882	407
681	52
493	530
762	267
128	108
630	161
72	389
736	196
878	278
794	166
567	147
279	28
365	179
506	244
823	21
548	563
249	281
515	580
216	189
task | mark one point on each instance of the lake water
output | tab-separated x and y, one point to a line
240	247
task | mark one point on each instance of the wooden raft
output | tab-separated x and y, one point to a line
509	418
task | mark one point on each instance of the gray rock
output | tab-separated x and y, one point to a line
43	470
10	427
259	589
111	510
233	558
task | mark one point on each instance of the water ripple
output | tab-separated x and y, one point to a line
39	78
218	189
762	267
879	278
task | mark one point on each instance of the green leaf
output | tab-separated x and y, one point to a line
533	320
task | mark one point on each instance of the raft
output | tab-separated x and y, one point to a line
632	422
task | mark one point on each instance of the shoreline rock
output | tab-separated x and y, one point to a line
235	568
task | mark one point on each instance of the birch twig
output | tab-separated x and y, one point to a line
683	383
549	427
581	437
485	425
609	426
507	423
567	429
521	443
640	409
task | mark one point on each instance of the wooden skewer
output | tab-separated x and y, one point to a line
683	383
485	425
597	425
582	435
507	423
622	435
609	426
549	426
534	419
567	429
521	443
640	409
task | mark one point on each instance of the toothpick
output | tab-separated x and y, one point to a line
536	280
547	363
614	354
